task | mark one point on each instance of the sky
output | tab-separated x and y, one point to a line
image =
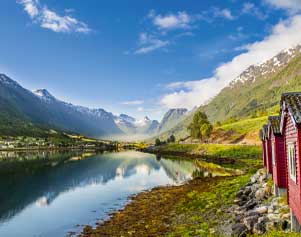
141	57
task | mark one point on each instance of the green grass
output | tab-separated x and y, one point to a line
214	150
203	210
246	125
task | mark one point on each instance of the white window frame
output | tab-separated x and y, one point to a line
291	154
273	153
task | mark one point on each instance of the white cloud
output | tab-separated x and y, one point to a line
224	13
180	20
31	7
149	43
285	34
292	6
133	102
251	9
49	19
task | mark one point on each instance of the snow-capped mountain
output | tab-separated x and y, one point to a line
130	125
267	68
42	108
258	88
44	95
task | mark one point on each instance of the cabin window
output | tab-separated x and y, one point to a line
273	153
292	161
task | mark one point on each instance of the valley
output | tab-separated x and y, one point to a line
172	156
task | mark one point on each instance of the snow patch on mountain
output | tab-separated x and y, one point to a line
268	67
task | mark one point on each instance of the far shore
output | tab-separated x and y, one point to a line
25	149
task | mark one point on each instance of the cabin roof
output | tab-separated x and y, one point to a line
274	124
292	102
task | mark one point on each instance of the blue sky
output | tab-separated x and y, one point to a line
140	57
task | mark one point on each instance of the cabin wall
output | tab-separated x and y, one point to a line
279	169
269	156
264	154
294	198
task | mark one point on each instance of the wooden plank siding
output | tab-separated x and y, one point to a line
264	154
269	156
280	166
292	136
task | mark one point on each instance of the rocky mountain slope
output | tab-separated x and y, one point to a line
171	118
41	109
257	88
255	92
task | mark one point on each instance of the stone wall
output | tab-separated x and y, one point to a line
257	211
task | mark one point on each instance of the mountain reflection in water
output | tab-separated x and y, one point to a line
47	194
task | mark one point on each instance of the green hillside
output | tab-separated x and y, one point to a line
255	98
258	98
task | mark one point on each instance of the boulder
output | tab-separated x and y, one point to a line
247	191
260	194
239	230
261	210
286	216
273	217
255	187
254	178
270	226
263	177
259	228
251	213
250	221
240	193
263	219
267	189
250	204
244	197
285	225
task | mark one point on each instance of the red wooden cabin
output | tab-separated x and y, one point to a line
268	150
278	155
262	137
290	127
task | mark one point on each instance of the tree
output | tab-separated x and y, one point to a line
157	142
171	139
200	126
206	130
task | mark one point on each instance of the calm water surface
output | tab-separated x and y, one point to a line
49	194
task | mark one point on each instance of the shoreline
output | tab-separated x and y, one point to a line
151	212
53	149
178	210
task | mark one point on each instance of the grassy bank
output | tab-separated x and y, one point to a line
212	150
204	213
194	209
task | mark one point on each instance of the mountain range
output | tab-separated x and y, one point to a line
130	125
23	112
43	109
255	92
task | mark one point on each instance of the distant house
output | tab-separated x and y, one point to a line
290	126
262	137
279	167
268	150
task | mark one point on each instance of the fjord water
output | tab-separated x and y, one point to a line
44	194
